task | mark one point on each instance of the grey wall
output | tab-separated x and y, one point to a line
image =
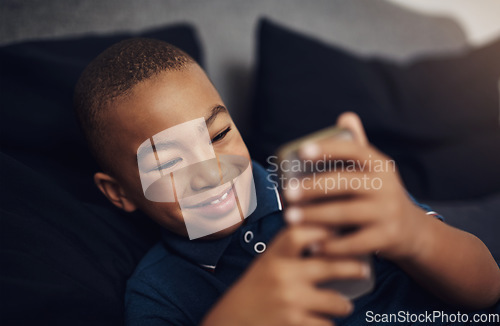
227	29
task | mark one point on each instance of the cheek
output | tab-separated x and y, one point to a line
168	215
238	147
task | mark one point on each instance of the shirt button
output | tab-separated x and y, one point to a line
248	236
260	247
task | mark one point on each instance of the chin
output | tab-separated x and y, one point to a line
223	233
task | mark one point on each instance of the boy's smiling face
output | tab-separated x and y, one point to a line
164	101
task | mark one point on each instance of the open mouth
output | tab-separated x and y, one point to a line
214	200
214	207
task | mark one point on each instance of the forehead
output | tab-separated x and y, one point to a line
161	102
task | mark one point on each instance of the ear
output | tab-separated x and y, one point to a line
351	121
113	191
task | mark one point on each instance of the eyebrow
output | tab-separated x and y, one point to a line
216	110
214	113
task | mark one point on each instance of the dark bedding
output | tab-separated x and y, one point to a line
66	253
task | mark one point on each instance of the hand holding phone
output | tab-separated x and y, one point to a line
293	168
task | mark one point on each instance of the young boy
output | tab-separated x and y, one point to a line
253	272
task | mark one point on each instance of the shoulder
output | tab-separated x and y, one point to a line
163	287
160	271
148	293
155	259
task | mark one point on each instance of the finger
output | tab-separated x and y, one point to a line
328	302
319	270
336	155
352	122
324	185
312	320
292	241
334	149
364	241
333	214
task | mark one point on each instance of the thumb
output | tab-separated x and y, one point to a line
351	121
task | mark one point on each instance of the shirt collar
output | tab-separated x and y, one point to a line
208	252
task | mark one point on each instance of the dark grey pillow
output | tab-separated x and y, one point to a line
66	253
437	117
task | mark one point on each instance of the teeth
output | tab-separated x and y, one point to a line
221	198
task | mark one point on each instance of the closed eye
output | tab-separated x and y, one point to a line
220	135
168	164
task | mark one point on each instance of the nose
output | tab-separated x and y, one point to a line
206	175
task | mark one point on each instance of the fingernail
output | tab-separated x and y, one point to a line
293	215
349	305
292	194
310	150
366	271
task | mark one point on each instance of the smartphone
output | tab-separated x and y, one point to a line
297	168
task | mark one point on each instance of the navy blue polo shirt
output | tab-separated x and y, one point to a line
179	280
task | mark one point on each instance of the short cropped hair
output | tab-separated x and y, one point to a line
112	75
